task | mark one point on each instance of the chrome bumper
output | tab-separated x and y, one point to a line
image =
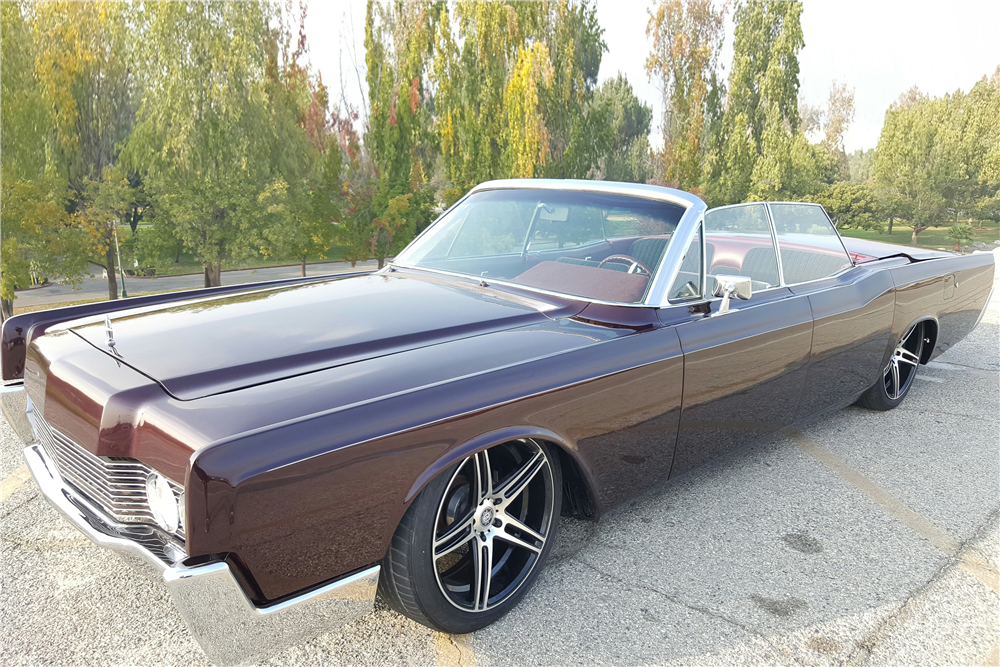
227	625
14	403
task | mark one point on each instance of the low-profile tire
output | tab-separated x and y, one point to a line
897	378
501	505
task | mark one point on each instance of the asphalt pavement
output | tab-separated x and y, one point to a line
97	287
864	539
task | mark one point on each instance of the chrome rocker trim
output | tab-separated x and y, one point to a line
229	628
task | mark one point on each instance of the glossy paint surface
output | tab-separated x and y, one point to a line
20	330
234	341
301	476
744	373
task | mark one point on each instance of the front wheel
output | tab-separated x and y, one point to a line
890	390
472	543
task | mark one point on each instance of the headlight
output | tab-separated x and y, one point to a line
162	502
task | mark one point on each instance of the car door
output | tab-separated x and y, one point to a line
852	307
744	370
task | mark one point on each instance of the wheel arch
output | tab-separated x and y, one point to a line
579	486
930	333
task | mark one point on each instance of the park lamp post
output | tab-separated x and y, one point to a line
121	271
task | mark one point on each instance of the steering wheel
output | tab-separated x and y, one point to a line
628	260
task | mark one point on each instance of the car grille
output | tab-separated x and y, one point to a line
117	485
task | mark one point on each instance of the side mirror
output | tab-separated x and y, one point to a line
729	286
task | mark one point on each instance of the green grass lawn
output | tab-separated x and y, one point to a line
49	306
188	264
935	237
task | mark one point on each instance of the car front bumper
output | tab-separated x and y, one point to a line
230	628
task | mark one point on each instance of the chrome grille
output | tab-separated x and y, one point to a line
116	485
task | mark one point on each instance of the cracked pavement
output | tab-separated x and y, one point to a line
865	539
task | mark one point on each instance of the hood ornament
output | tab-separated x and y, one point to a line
110	332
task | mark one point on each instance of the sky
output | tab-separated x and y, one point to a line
881	49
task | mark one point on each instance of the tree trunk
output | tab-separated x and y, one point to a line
354	263
913	238
213	274
303	266
890	225
381	262
957	245
109	258
6	309
177	255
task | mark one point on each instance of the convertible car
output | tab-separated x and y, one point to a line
277	453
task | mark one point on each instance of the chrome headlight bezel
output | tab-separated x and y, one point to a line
163	504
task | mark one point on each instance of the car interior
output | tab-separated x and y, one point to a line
608	247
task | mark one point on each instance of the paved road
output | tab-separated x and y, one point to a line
95	288
865	539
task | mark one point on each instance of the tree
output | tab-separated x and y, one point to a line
687	39
526	138
961	234
204	138
84	65
577	137
851	205
36	236
753	153
627	121
838	117
513	84
915	157
302	204
398	48
859	164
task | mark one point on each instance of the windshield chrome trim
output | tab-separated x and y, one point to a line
506	283
666	273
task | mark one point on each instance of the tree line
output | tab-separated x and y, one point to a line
203	127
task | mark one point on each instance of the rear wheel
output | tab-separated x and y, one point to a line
474	540
890	390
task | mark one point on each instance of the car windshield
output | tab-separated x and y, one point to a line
598	246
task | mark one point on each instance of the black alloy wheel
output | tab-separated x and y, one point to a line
474	540
898	375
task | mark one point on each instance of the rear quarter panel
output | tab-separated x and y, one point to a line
952	291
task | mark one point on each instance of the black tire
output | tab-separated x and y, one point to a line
430	555
897	378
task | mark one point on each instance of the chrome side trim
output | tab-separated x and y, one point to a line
14	403
227	625
985	306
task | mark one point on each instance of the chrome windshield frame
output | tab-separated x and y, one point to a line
666	273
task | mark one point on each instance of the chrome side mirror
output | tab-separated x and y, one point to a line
729	286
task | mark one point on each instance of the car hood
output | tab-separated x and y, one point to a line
212	345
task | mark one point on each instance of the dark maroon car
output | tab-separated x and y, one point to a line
278	452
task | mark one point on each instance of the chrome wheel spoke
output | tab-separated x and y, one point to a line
521	477
908	357
476	510
516	524
483	571
906	336
484	475
457	535
895	379
518	542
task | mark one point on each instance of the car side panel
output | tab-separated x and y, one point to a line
852	323
744	373
613	406
924	290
